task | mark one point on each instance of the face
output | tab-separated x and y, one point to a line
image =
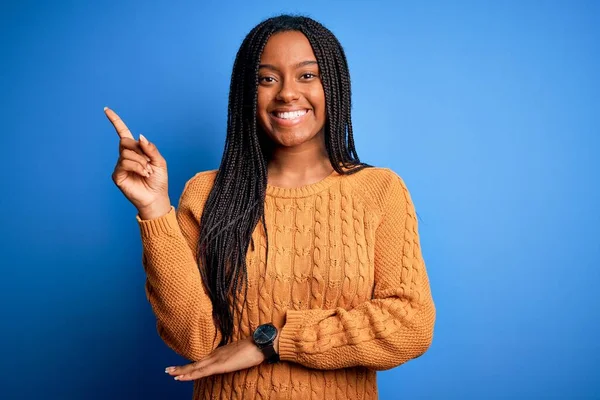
291	101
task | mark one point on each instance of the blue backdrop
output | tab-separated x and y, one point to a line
489	111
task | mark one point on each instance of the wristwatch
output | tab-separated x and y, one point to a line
263	337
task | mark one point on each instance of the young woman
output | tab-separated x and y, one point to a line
294	270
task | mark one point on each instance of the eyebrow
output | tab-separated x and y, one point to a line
299	65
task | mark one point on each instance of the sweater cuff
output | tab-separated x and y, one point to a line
287	344
165	224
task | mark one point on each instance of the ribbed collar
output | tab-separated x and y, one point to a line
303	191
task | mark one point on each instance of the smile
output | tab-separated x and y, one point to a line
289	118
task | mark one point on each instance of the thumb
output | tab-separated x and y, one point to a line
151	151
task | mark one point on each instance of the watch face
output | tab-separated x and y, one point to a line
264	334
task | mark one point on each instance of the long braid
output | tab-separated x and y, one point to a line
235	204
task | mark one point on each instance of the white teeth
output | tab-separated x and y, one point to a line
291	115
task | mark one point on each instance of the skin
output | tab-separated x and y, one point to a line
288	79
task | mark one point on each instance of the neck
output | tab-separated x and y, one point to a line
299	165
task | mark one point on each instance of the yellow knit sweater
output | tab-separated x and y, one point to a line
345	279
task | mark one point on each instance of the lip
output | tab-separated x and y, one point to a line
284	109
288	122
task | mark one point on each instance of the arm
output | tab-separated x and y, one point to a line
392	328
174	287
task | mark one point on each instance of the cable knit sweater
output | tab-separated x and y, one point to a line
345	280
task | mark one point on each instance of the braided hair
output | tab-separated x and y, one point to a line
235	204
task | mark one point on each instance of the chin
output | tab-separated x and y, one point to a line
291	139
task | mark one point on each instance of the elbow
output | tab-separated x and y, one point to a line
191	335
191	345
180	345
423	340
416	340
423	331
394	354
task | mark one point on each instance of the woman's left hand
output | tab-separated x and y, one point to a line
231	357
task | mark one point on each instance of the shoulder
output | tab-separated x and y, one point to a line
382	187
201	181
197	188
380	176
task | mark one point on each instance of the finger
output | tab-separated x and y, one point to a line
132	144
198	373
201	372
127	154
132	166
151	151
179	373
118	123
186	369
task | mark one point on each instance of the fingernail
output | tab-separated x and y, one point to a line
177	377
143	139
105	108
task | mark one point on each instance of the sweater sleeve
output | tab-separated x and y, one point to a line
395	326
174	288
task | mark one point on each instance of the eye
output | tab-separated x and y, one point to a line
308	75
266	79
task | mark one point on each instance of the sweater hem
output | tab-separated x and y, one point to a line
287	344
153	227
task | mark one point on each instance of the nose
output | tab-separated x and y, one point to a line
289	91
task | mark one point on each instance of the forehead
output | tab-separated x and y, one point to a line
287	48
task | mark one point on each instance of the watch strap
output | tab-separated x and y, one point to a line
270	354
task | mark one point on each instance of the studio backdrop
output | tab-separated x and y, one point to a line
488	110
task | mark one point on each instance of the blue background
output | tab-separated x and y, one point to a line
488	110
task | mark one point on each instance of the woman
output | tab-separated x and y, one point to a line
294	270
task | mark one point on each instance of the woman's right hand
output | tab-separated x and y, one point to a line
141	172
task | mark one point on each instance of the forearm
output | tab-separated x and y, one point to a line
174	289
378	334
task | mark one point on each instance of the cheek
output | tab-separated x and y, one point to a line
262	101
317	98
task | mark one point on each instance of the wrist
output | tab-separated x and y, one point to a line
155	210
265	337
276	342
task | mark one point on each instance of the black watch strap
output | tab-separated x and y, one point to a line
270	354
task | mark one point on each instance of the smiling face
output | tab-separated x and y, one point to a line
291	101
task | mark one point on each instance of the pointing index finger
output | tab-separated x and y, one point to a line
119	125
